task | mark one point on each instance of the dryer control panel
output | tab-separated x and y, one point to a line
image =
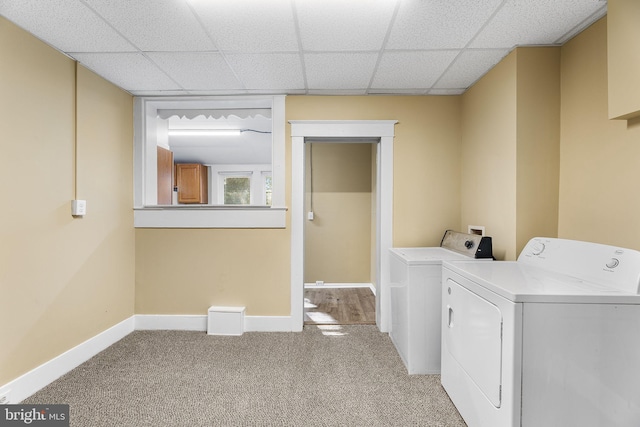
610	266
471	245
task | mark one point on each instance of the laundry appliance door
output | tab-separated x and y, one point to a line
474	338
481	352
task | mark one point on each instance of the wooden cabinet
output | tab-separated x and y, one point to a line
192	182
165	176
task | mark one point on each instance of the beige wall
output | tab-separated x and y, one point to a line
457	161
599	158
538	146
489	135
338	241
62	280
426	156
185	271
510	145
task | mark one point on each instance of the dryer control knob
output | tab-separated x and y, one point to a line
468	244
538	248
613	263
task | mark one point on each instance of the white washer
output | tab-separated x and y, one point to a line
416	275
552	339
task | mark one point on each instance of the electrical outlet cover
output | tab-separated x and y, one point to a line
78	207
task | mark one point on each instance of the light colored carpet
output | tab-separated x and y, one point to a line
323	376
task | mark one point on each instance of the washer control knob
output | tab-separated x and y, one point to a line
613	263
538	248
468	244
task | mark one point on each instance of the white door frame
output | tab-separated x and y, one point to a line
382	130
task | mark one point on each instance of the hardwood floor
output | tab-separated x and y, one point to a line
339	306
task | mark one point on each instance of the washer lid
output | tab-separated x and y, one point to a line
520	282
433	255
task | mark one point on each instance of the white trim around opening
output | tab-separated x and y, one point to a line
343	131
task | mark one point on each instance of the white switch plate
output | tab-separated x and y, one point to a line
78	207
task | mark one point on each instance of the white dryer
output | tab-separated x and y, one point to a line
416	275
552	339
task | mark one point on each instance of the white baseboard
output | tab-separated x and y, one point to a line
171	322
194	322
34	380
341	285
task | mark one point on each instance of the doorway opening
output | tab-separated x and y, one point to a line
340	232
332	305
381	132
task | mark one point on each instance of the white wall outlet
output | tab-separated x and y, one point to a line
5	397
78	207
310	216
319	283
476	229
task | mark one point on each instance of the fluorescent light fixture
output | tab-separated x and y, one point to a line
204	132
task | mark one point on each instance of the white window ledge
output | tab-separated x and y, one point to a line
147	214
207	216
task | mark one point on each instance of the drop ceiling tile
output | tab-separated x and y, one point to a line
469	67
339	70
338	25
67	25
343	92
155	25
584	24
378	91
268	71
260	43
159	92
197	70
409	70
274	91
439	24
249	25
540	22
220	92
446	92
130	71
